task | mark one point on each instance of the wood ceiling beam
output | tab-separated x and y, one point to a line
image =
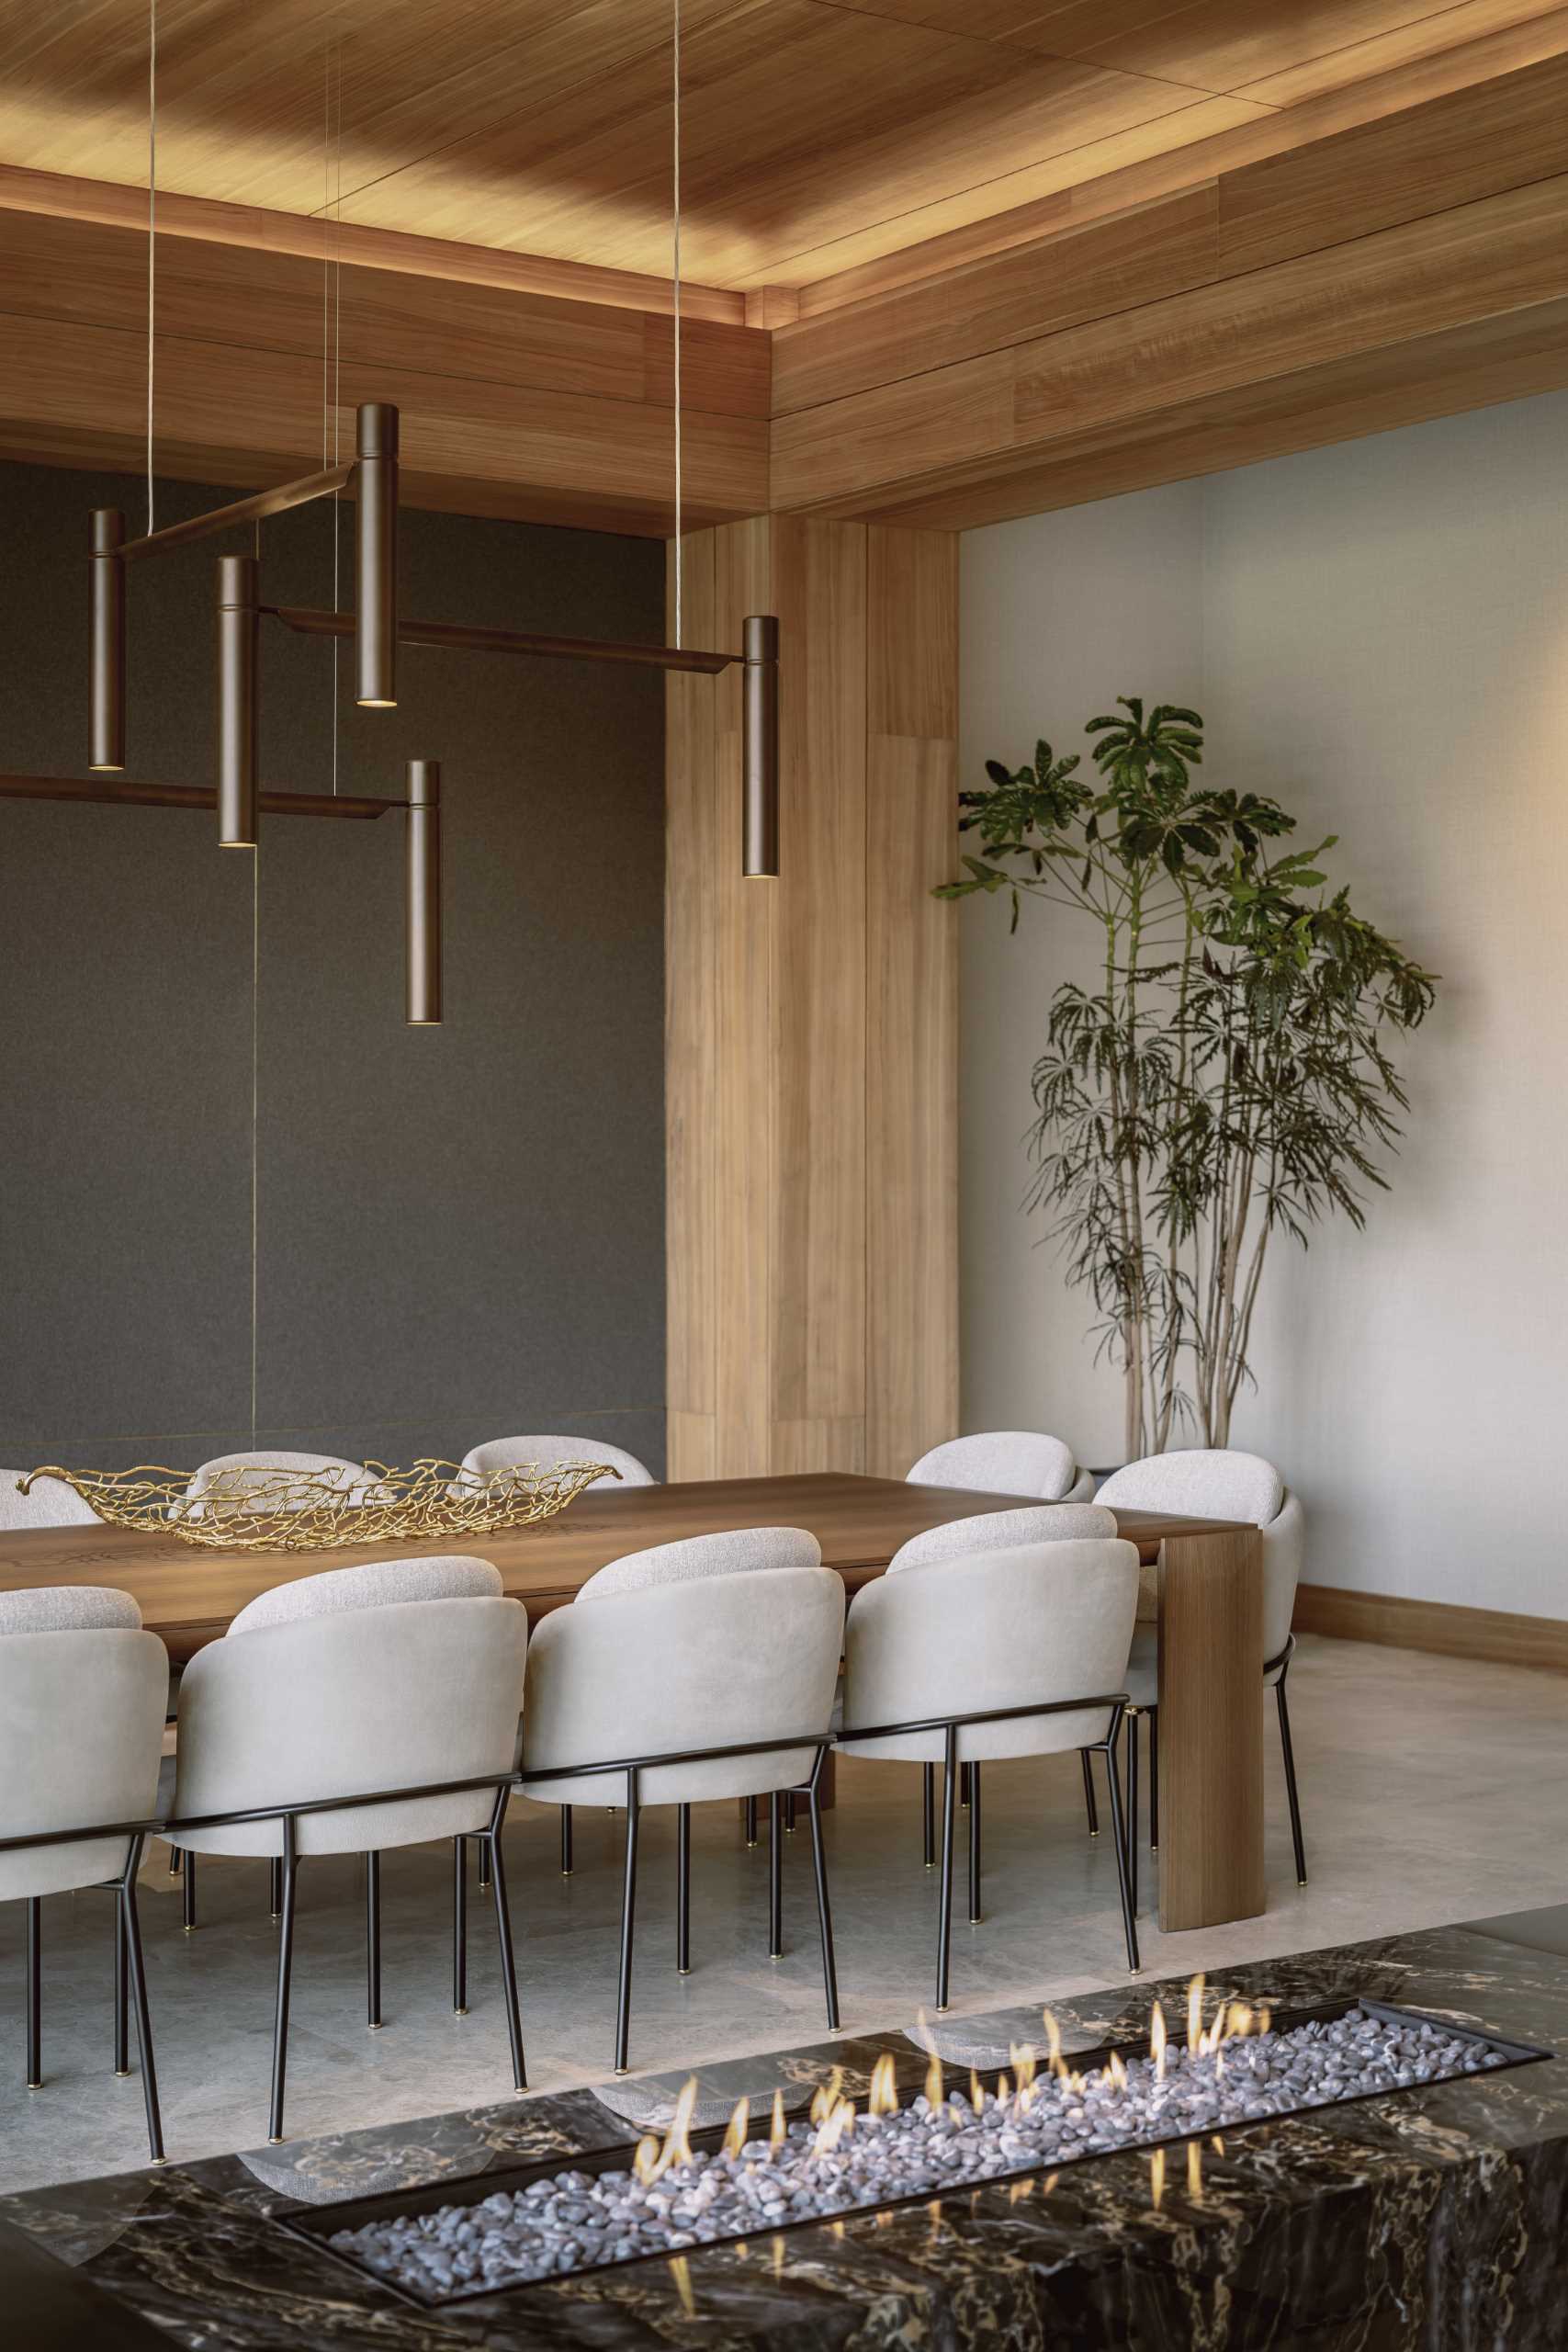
1309	268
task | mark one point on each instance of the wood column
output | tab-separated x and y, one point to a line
811	1029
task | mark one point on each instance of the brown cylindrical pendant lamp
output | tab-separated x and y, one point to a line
760	745
422	1004
239	633
106	570
376	630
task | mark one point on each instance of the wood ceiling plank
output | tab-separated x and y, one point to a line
58	196
1217	44
68	269
1505	253
1165	172
1111	265
1469	144
1511	357
1431	33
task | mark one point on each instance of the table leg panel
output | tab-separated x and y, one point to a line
1210	1728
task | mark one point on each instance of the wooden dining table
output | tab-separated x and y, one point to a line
1210	1603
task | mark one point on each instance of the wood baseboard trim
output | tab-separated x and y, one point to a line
1496	1636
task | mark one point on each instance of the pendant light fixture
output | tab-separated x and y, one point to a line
376	635
423	1005
239	633
106	572
760	747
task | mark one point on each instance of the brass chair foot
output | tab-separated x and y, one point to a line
274	2140
621	2074
683	1972
158	2160
189	1931
566	1873
1300	1882
750	1843
944	2008
1093	1833
459	2013
277	1917
122	2074
35	2086
375	2025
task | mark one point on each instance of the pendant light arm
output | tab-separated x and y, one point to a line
760	746
422	895
106	572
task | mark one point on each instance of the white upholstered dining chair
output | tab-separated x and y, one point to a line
1006	1461
83	1690
550	1452
1020	1651
998	1530
1217	1482
719	1654
400	1676
48	1503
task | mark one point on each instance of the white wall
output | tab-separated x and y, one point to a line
1377	633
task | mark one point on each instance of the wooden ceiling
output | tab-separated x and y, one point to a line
947	261
822	138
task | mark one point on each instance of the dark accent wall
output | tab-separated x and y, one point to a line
459	1229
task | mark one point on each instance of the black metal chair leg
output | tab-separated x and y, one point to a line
944	1923
459	1926
35	1993
188	1896
750	1821
789	1812
1154	1779
484	1868
566	1841
121	1996
964	1784
372	1942
131	1935
1291	1791
1090	1806
682	1890
776	1879
274	1888
284	1966
1132	1832
928	1813
504	1938
973	1845
173	1862
1120	1832
824	1912
628	1908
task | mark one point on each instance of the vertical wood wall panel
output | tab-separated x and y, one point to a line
911	1069
812	1098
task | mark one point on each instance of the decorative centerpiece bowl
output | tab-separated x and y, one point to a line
260	1509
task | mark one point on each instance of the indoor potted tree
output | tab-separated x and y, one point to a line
1227	1076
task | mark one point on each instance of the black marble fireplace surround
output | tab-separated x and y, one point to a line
1434	2218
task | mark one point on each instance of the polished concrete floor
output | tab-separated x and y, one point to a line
1421	1781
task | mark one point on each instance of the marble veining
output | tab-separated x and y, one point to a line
1429	2220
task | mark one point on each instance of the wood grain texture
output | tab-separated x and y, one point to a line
819	138
1211	1729
188	1597
809	1165
1493	1636
911	940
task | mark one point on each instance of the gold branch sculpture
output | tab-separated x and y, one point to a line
252	1508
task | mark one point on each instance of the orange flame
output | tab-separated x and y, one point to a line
1053	2041
1117	2072
884	2099
1195	2172
976	2096
1004	2090
1157	2041
735	2138
645	2162
1156	2177
1024	2060
825	2097
681	2271
1195	2013
833	2128
776	2136
677	2148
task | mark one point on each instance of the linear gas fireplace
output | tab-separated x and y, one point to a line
1193	2081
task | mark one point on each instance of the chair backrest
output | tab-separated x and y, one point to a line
375	1585
999	1531
727	1553
508	1452
699	1663
391	1695
83	1696
1003	1461
259	1482
1038	1622
48	1503
1210	1482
